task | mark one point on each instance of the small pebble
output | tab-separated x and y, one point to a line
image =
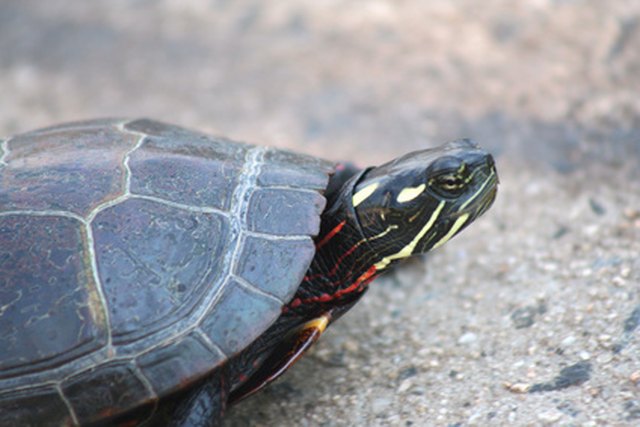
568	341
351	346
604	338
618	281
594	391
519	388
404	386
467	338
409	372
523	317
635	377
604	358
549	416
597	207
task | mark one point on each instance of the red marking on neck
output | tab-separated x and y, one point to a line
330	234
336	266
358	285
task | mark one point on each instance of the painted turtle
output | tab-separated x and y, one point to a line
150	274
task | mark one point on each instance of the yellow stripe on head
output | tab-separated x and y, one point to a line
478	192
453	230
408	250
409	193
363	194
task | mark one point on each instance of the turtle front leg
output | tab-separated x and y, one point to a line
286	353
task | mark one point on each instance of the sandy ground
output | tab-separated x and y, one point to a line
531	316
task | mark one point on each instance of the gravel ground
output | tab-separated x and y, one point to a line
531	316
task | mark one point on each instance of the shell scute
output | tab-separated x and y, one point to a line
279	212
72	170
285	259
170	367
48	309
155	262
33	407
105	391
185	167
239	317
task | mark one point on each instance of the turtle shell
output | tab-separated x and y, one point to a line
136	257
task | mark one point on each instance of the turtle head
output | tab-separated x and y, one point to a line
419	201
390	212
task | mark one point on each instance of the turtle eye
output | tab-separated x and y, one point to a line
448	185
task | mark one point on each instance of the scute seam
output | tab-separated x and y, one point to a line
240	203
74	373
210	344
199	209
289	188
91	243
277	237
109	203
244	283
127	169
144	380
66	214
74	417
91	247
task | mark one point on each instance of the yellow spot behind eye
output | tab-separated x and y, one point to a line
408	250
363	194
410	193
453	230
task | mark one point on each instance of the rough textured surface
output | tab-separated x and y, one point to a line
530	317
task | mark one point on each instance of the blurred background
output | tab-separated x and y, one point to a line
529	317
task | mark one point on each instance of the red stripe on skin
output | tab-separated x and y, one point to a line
336	266
293	304
360	283
330	234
